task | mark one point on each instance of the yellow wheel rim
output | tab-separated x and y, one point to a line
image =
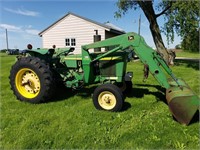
27	83
107	100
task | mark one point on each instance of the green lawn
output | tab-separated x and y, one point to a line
70	121
187	54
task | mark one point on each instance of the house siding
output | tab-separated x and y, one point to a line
71	27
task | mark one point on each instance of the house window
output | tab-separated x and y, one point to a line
67	42
73	42
70	42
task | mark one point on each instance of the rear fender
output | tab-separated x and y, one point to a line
41	52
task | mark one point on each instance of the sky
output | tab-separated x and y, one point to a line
24	19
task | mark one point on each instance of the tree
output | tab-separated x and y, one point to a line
191	41
183	17
175	17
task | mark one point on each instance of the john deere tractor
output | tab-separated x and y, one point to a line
33	77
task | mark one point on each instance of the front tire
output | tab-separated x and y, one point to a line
31	80
108	97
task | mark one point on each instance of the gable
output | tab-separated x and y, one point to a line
83	19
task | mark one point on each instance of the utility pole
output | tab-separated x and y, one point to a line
7	39
139	25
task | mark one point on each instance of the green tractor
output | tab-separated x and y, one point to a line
33	77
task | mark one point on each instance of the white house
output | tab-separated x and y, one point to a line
73	30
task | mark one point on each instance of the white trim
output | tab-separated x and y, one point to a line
70	42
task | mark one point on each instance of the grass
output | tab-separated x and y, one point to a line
181	53
70	120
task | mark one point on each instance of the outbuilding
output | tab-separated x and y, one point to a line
73	30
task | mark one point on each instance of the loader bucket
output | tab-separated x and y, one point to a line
182	101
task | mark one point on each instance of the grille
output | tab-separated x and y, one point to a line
107	68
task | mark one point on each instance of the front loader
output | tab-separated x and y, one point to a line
34	76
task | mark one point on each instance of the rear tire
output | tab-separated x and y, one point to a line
31	80
108	97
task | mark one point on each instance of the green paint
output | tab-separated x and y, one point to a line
110	66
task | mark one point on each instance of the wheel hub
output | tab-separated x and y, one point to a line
27	83
107	100
30	82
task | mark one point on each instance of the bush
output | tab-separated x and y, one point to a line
178	46
3	50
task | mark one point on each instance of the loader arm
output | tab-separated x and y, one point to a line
146	54
182	101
